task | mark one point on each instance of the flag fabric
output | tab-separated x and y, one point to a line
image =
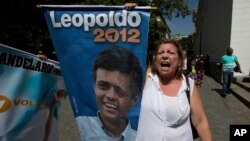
79	33
30	94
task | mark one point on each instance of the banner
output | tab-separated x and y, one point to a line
30	94
96	43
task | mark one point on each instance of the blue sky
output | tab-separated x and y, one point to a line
183	26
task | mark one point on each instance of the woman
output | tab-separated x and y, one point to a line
165	110
193	73
200	67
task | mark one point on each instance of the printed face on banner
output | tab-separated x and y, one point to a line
102	54
113	94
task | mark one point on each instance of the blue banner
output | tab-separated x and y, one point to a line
81	35
30	94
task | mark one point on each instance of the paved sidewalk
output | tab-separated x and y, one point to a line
241	89
221	112
68	130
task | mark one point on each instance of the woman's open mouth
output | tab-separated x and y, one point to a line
165	64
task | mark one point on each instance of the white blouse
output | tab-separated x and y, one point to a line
164	118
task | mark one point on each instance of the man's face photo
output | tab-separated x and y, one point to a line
113	93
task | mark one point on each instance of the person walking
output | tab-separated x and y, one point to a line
185	61
193	73
200	67
229	62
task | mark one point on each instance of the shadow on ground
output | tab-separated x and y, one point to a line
219	91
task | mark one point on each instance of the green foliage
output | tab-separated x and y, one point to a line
23	24
170	8
157	32
187	42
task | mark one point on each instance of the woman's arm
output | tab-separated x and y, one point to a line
198	116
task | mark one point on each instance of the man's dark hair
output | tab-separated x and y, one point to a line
229	51
116	58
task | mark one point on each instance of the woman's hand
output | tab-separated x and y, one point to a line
130	6
41	56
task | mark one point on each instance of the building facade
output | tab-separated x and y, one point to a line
220	25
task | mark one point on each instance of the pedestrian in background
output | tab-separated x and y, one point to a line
185	61
193	73
200	69
229	63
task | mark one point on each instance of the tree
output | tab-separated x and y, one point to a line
188	43
23	25
170	8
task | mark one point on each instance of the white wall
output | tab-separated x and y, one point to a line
240	33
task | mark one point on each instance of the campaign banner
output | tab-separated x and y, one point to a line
87	41
30	94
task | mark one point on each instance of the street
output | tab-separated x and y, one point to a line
221	113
